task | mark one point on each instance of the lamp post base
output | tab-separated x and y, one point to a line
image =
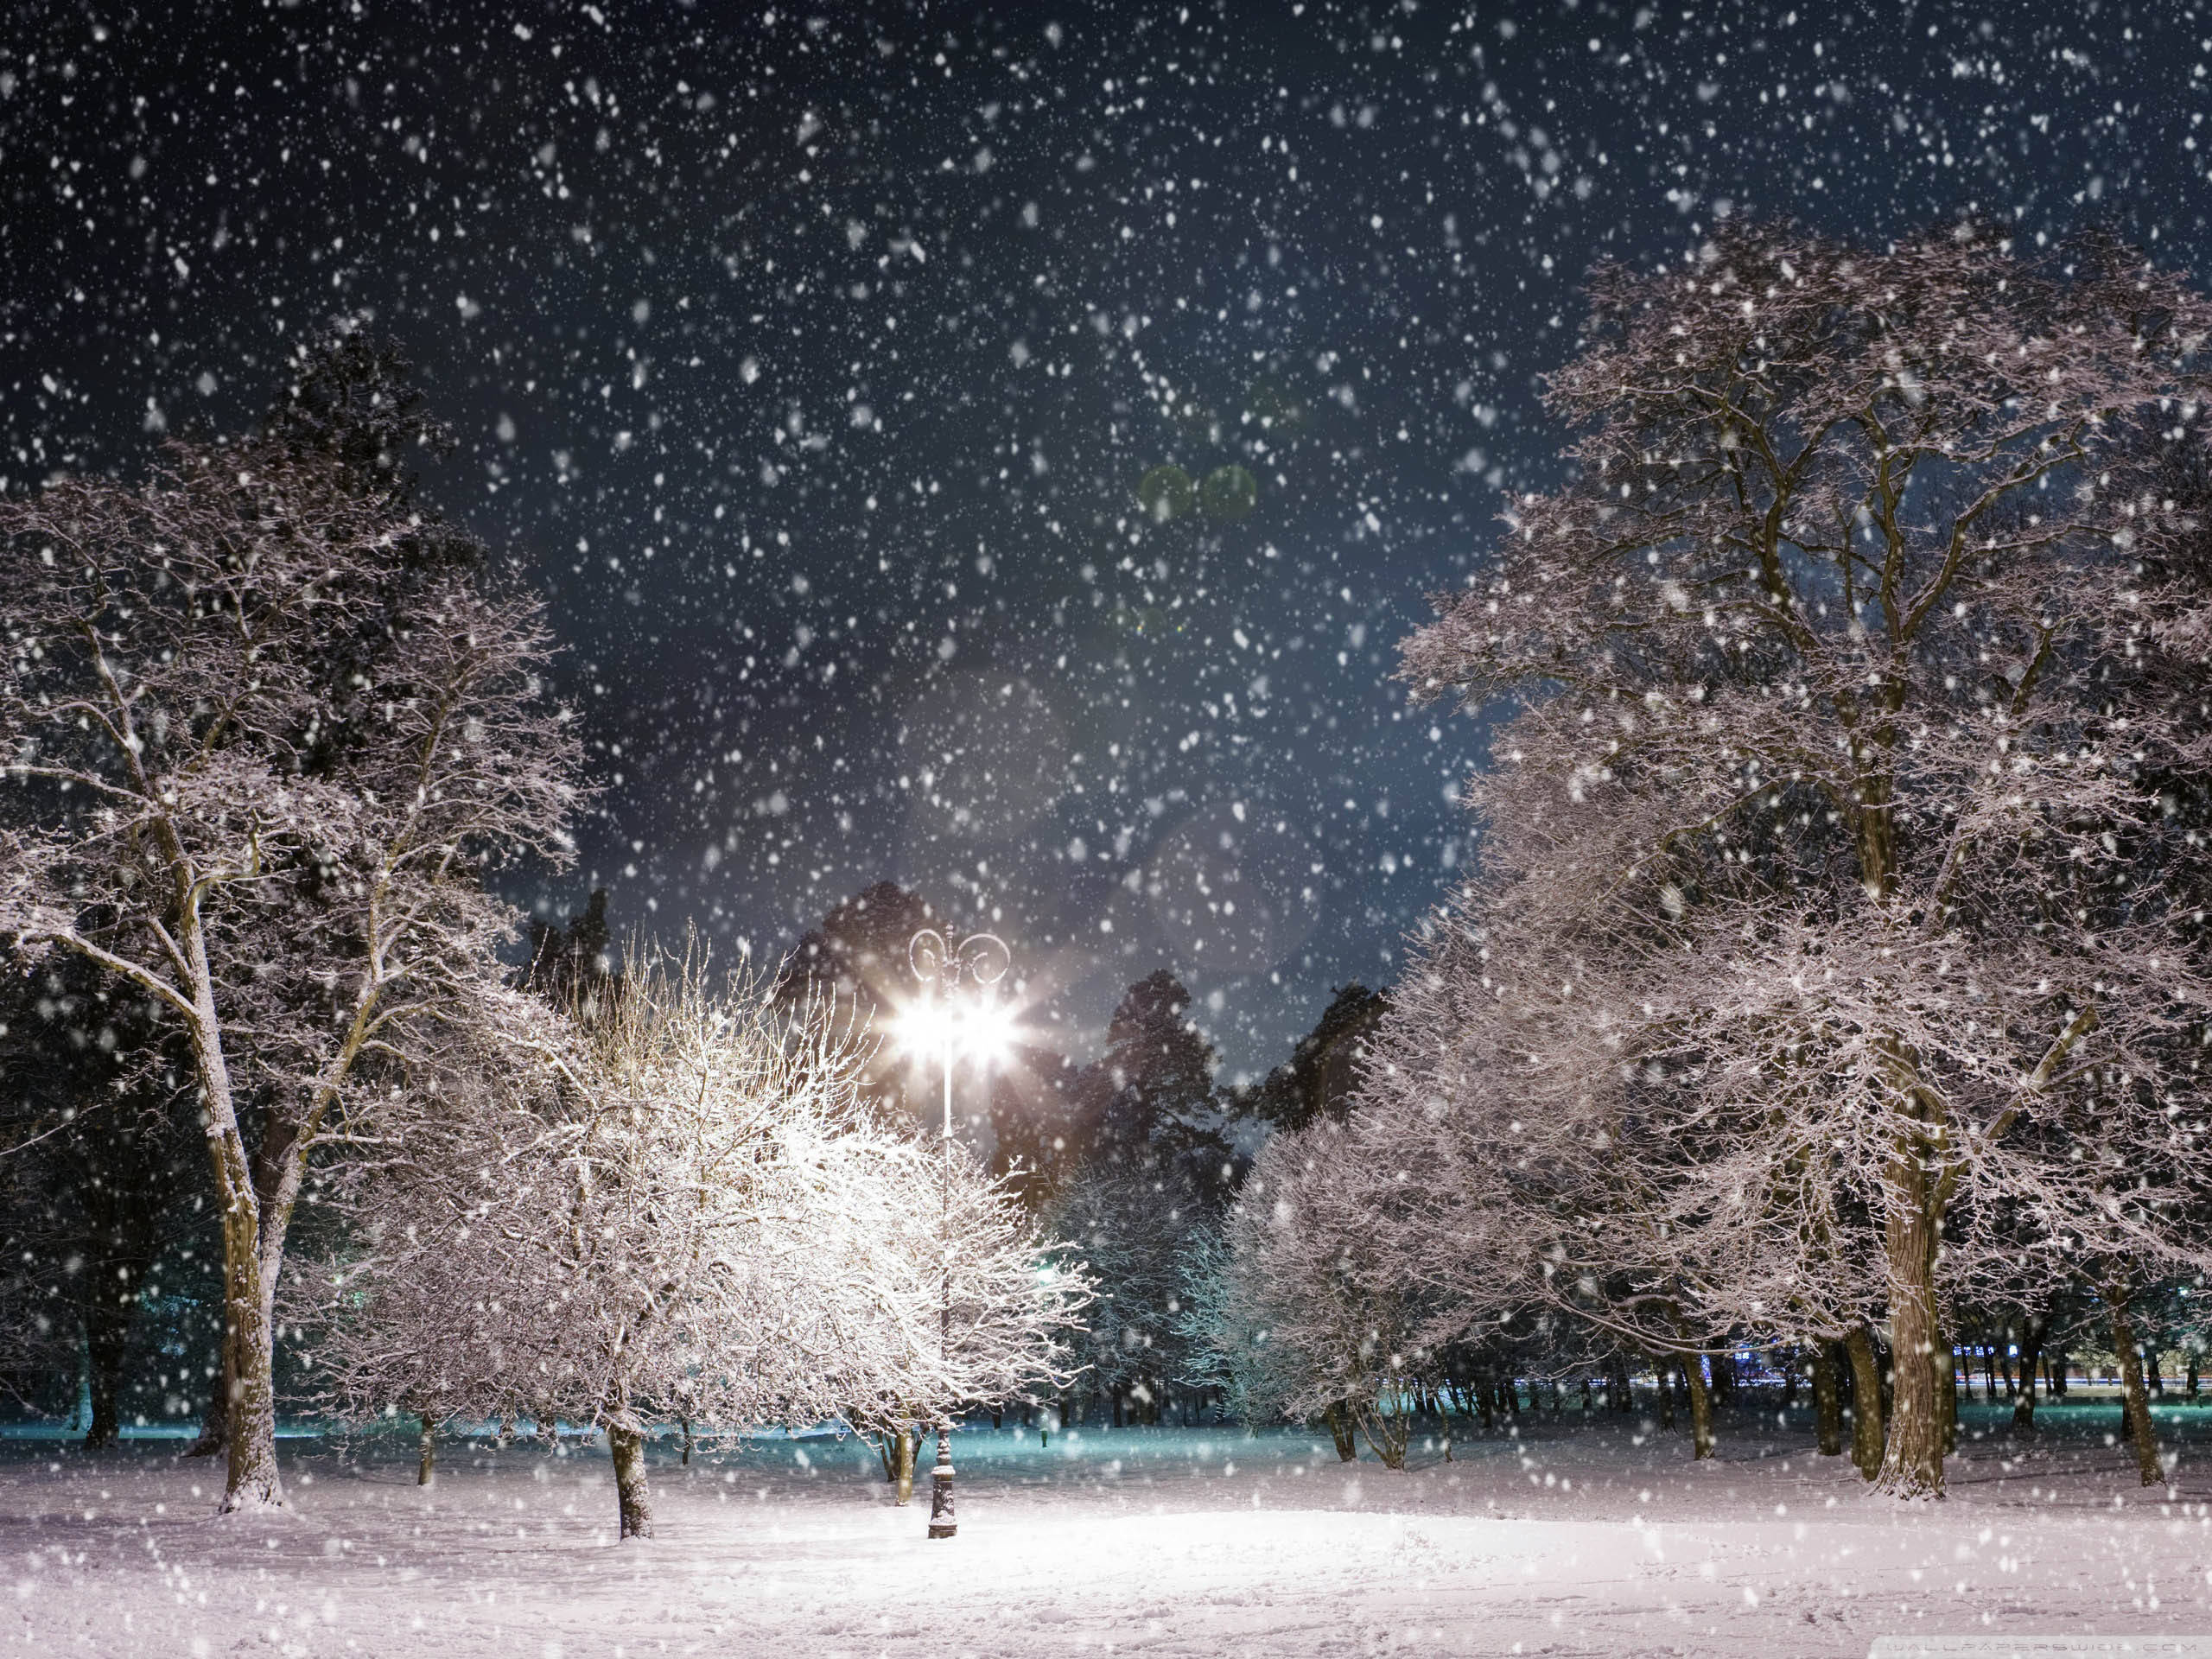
942	1525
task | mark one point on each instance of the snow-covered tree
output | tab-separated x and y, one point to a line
696	1214
264	722
1831	909
1297	1307
1132	1227
1227	1329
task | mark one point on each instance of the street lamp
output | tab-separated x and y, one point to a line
982	958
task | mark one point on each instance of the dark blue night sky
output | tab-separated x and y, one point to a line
812	361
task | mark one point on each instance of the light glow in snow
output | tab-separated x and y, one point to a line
984	1029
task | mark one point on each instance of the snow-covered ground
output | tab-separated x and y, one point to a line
1568	1540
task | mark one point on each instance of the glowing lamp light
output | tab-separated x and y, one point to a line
987	1032
970	1030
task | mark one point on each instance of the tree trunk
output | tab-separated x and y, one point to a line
107	1330
2135	1406
2023	1404
251	1427
1663	1367
1912	1463
630	1492
903	1466
1723	1379
426	1463
1827	1400
1867	1435
81	1413
1946	1361
250	1396
1340	1430
1700	1410
686	1421
1386	1431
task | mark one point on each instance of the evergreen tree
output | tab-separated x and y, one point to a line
1150	1098
1323	1070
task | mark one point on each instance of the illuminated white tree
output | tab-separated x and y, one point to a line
1302	1310
1831	909
693	1213
264	728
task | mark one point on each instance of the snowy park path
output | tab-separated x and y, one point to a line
1564	1541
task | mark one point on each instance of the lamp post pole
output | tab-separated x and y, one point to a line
983	958
942	1524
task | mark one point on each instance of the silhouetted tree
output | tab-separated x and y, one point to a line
1150	1097
569	962
1320	1077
